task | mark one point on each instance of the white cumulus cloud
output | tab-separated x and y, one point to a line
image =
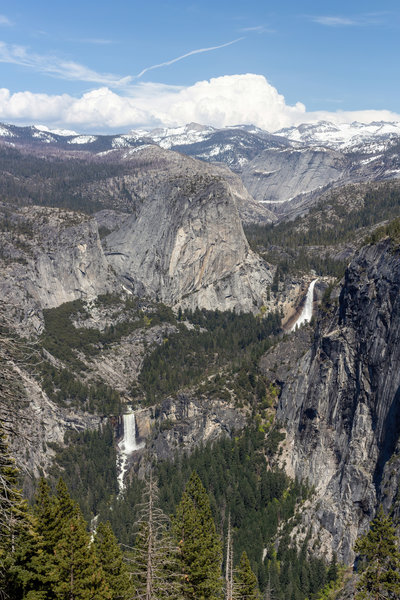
103	108
222	101
233	99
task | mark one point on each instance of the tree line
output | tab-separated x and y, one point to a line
48	553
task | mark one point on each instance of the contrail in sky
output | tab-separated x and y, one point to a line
174	60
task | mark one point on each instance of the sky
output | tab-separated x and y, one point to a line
114	66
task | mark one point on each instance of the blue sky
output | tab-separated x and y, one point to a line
93	65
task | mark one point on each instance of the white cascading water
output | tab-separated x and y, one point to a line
126	446
306	313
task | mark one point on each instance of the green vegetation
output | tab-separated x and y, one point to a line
245	586
298	261
55	560
217	351
88	465
50	557
338	576
111	560
71	345
303	244
218	339
234	472
28	179
331	221
380	560
200	550
63	386
391	230
64	341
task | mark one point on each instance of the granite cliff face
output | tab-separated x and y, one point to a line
186	421
39	423
181	241
277	176
341	403
185	243
48	257
171	230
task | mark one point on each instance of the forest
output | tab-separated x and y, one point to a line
312	241
48	551
219	344
177	538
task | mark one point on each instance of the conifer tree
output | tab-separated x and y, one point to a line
64	509
112	562
14	518
63	564
245	585
51	515
154	564
200	547
36	551
380	577
77	572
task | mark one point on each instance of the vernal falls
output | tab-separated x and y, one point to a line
127	446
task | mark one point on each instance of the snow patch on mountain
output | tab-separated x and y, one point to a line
42	135
178	136
83	139
62	132
131	151
4	132
348	137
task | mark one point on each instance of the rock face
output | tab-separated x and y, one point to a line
51	256
341	402
182	241
40	423
277	176
184	422
185	244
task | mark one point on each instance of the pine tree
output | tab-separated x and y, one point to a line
76	569
51	515
44	511
200	547
64	509
154	564
245	585
380	577
111	560
14	520
60	561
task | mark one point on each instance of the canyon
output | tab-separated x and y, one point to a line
139	246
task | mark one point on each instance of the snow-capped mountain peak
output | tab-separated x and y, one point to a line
167	137
347	137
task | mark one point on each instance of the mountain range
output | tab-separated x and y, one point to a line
276	169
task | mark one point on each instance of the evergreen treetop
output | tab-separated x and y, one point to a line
380	576
245	582
200	547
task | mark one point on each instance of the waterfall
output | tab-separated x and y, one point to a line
126	446
306	313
